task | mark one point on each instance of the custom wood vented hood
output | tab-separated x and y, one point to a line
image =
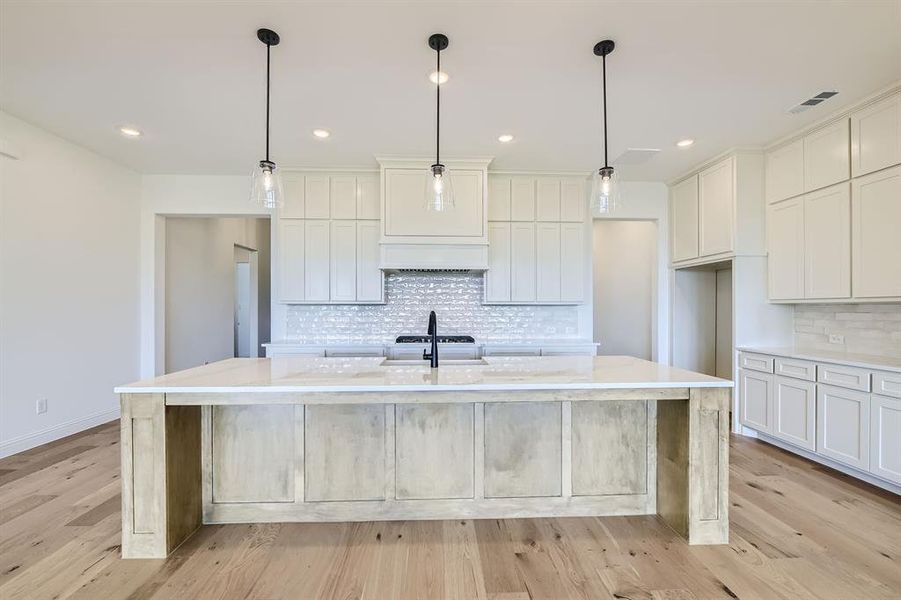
414	237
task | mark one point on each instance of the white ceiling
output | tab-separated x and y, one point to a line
191	75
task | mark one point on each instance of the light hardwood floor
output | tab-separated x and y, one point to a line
799	531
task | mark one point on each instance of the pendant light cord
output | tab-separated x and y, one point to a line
438	110
604	71
268	48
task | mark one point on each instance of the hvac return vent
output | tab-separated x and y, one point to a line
811	102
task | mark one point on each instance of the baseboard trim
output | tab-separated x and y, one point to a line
51	434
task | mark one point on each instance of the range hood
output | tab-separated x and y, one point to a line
414	238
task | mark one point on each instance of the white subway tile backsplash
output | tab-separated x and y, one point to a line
455	297
867	328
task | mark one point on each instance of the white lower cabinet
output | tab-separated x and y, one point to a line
756	394
794	411
885	437
843	426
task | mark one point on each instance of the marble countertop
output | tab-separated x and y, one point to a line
369	374
479	342
866	361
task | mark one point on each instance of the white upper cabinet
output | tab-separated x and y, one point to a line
548	199
572	262
498	199
826	156
291	260
876	136
685	219
876	234
522	263
292	186
716	208
573	200
785	242
497	279
368	203
547	281
827	243
370	279
343	197
316	197
316	260
343	261
522	199
785	172
406	214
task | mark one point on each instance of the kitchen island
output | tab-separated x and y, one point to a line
358	439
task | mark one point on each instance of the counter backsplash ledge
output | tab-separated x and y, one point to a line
873	329
455	297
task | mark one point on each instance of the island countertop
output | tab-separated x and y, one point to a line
377	374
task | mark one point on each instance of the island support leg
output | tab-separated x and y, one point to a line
693	465
161	475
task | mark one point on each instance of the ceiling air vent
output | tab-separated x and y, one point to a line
811	102
635	156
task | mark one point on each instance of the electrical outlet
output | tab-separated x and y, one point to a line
836	338
40	406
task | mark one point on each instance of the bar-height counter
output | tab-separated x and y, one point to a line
355	439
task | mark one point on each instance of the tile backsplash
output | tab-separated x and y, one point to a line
455	297
867	328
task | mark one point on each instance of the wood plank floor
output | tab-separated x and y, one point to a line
799	531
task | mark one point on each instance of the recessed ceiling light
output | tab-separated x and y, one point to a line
130	131
685	143
505	139
321	133
438	77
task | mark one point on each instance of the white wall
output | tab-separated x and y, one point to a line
200	286
648	201
69	287
625	272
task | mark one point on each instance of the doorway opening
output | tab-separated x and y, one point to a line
246	323
625	287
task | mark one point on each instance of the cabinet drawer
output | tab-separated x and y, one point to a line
756	362
799	369
887	384
852	378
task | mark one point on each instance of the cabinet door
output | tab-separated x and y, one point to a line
885	438
684	209
548	200
368	203
876	136
785	172
291	260
522	199
547	237
716	208
843	425
343	261
343	196
572	262
406	213
294	204
827	158
785	249
316	261
794	412
316	197
875	239
522	262
572	200
756	400
370	280
497	279
827	243
498	198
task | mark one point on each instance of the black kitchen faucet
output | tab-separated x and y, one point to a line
433	334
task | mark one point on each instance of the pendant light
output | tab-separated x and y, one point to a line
266	184
439	191
604	188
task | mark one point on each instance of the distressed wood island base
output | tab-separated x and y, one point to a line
421	445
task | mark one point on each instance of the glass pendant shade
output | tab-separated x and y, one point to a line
266	186
439	189
605	192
